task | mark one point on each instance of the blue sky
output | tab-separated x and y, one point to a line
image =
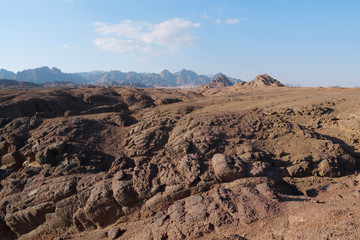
311	43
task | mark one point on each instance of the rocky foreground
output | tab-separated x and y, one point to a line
248	161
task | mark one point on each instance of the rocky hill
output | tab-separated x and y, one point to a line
265	80
126	163
231	79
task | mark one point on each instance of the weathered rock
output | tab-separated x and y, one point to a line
57	147
224	168
143	142
114	232
101	208
121	119
198	215
257	168
24	221
347	163
11	161
124	192
189	167
45	156
328	168
3	148
142	180
299	170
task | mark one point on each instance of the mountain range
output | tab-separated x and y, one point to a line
112	78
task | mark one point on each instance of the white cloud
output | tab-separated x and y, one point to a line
218	21
116	45
145	37
66	46
232	21
205	16
127	28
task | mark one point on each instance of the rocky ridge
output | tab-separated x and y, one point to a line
265	80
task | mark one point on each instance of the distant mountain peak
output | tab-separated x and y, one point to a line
265	80
5	74
165	71
54	69
219	82
222	79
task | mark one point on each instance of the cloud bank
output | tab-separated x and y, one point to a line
145	37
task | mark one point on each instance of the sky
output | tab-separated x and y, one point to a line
298	42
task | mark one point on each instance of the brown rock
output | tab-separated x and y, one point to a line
3	148
114	232
224	168
189	167
124	192
45	156
101	208
327	169
257	168
24	221
299	170
11	161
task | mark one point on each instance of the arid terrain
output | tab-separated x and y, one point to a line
253	160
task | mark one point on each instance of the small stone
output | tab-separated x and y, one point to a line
114	233
311	192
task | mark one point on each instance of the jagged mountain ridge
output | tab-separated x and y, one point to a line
162	79
45	74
